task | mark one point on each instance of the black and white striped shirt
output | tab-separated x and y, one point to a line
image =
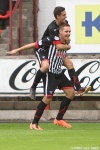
55	56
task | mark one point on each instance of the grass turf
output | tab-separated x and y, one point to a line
18	136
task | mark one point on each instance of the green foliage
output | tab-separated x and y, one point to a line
18	136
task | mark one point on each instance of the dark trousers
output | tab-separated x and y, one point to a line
4	6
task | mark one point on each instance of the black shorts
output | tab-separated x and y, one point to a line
53	81
41	55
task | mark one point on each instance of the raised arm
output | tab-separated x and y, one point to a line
25	47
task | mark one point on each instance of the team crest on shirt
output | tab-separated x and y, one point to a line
55	29
56	38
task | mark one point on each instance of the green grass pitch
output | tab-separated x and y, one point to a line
18	136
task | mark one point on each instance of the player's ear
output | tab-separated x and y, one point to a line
59	31
57	17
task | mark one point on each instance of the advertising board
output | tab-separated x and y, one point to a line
17	75
84	19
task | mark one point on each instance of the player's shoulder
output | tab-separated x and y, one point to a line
52	24
56	38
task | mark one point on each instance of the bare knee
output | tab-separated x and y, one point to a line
70	94
47	99
44	66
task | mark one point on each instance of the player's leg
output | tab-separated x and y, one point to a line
45	101
39	111
74	77
67	87
44	63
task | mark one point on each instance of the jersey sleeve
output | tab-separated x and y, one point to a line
56	40
47	42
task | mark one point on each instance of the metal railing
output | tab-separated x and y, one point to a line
35	19
18	4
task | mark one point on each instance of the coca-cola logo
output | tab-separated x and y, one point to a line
89	74
93	79
27	75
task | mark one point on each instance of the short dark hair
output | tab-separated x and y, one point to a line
64	25
58	10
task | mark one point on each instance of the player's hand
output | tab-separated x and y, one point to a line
12	52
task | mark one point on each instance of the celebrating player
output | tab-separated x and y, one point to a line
53	30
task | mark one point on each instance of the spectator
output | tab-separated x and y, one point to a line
4	7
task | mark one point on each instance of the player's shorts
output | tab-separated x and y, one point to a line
41	55
53	81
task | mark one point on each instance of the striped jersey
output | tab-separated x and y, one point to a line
56	59
55	56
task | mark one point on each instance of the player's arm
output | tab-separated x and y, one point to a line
25	47
65	46
61	46
40	44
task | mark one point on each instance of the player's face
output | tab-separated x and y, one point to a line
62	17
65	33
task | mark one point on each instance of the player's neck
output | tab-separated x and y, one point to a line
57	22
62	41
